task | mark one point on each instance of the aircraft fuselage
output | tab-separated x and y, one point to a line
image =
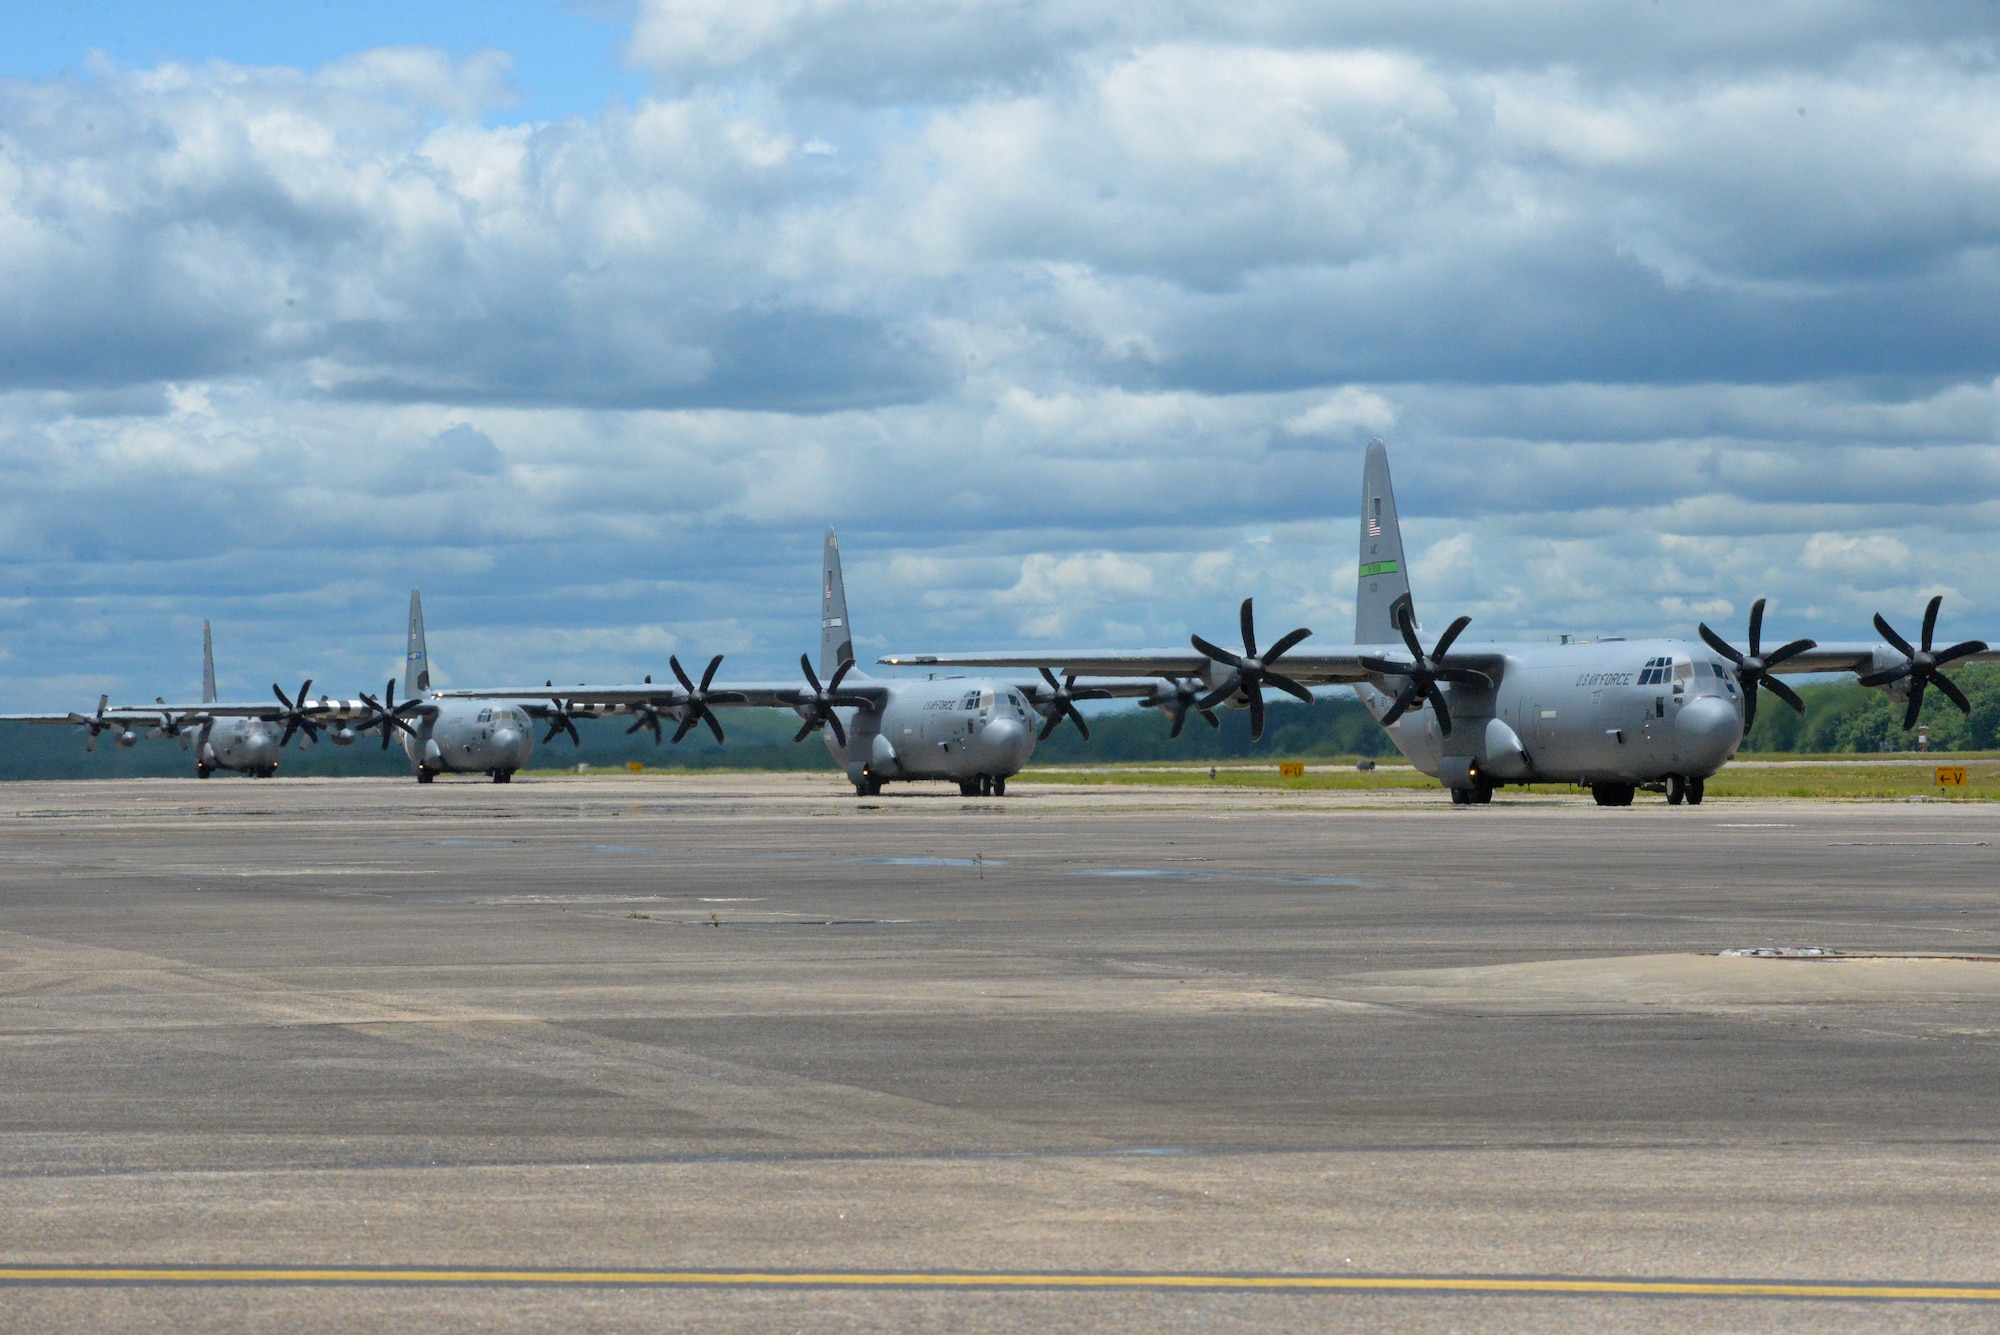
956	728
247	745
470	737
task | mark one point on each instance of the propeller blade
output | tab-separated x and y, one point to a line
1406	622
840	672
1050	678
1286	643
1884	677
812	678
1221	693
1916	706
1249	623
709	675
1209	714
1889	634
1451	633
1049	726
687	725
839	733
807	729
1077	718
1756	626
1952	693
710	719
686	683
1749	706
1443	710
1792	650
1402	704
1218	654
1720	645
1288	686
1785	693
1930	619
1180	721
1382	667
1256	713
1959	650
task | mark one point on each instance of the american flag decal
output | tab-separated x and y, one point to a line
1375	517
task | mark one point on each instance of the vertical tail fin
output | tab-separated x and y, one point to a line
207	665
836	637
416	664
1384	581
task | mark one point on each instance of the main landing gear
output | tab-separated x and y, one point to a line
868	787
503	776
426	775
983	785
1478	795
1678	788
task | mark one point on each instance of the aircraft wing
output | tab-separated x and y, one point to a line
1862	656
663	695
1326	667
1083	662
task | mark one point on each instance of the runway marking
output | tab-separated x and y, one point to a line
1564	1286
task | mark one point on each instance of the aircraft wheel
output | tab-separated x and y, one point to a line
968	787
1676	790
985	782
1695	790
203	771
999	787
425	776
501	776
1461	797
1482	795
1613	794
868	788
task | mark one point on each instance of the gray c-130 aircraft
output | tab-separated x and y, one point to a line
221	736
1610	714
977	732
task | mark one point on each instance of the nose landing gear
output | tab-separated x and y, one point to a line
983	785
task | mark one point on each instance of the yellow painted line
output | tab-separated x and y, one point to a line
1486	1284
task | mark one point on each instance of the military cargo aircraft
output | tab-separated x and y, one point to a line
221	736
1611	714
976	732
439	736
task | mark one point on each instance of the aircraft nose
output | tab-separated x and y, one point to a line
1004	744
1709	729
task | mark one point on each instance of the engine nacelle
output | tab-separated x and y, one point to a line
127	738
341	736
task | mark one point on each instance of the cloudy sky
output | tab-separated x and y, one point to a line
1074	318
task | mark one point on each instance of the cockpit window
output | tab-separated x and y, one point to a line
1655	671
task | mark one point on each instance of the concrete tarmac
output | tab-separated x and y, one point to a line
749	1023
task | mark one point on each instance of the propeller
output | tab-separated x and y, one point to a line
1251	671
646	715
1186	697
1754	668
169	726
1921	666
388	716
92	724
1060	703
561	716
1425	671
818	711
297	716
699	698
